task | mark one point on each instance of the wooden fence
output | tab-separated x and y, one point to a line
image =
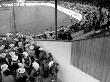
92	56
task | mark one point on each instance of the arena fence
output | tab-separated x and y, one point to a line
92	56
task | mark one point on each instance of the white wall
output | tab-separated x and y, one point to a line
61	51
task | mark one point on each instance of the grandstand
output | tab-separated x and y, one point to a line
88	17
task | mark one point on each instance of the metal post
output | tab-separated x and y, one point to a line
56	19
71	19
14	18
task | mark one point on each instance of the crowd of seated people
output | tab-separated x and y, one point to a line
23	60
94	18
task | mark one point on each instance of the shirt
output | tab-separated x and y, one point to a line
7	78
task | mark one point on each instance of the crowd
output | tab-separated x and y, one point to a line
94	18
23	60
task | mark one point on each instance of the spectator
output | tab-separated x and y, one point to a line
7	77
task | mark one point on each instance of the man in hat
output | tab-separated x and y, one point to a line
26	60
21	75
6	74
34	76
3	58
14	62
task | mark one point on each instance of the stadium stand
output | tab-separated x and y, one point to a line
94	18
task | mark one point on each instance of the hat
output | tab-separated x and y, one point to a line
12	53
20	43
27	40
50	63
14	58
21	70
2	47
11	45
19	34
27	37
8	34
31	47
41	49
25	54
27	45
6	50
4	67
16	39
35	65
15	48
21	65
4	38
3	55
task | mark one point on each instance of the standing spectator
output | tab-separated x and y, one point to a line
71	19
6	74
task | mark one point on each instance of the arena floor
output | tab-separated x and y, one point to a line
31	19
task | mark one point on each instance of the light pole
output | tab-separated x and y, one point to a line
71	19
56	19
14	19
